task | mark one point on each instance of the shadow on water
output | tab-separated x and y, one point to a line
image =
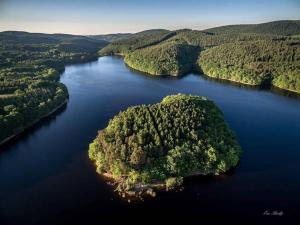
30	131
206	179
285	93
266	86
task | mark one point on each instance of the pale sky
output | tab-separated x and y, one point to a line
121	16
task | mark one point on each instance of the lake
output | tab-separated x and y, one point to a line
46	176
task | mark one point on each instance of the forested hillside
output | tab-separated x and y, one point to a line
285	28
258	62
29	71
254	58
169	58
164	142
136	41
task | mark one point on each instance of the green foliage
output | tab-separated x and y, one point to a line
206	40
29	73
173	182
136	41
255	62
182	135
284	27
168	58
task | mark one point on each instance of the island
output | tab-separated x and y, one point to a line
149	147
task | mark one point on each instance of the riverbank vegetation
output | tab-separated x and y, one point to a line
147	145
262	55
29	75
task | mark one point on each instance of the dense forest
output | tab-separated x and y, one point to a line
258	62
284	27
29	72
265	55
164	142
136	41
168	58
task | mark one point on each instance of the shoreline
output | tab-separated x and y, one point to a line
153	74
179	75
33	123
140	190
21	130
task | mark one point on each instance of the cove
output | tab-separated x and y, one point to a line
47	178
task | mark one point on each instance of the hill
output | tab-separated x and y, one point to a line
110	37
284	27
261	58
258	62
168	58
136	41
21	37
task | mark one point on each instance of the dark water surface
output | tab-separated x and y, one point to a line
47	178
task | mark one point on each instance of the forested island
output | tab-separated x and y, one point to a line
156	146
262	55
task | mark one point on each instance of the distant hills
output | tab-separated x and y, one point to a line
111	37
121	36
21	37
283	27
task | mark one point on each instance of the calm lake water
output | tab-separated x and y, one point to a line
47	178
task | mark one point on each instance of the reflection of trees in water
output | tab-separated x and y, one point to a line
30	131
270	88
264	87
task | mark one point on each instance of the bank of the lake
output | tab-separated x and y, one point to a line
193	68
22	129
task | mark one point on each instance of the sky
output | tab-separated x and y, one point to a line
122	16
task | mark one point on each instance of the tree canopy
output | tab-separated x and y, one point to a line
180	136
283	27
276	62
169	58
